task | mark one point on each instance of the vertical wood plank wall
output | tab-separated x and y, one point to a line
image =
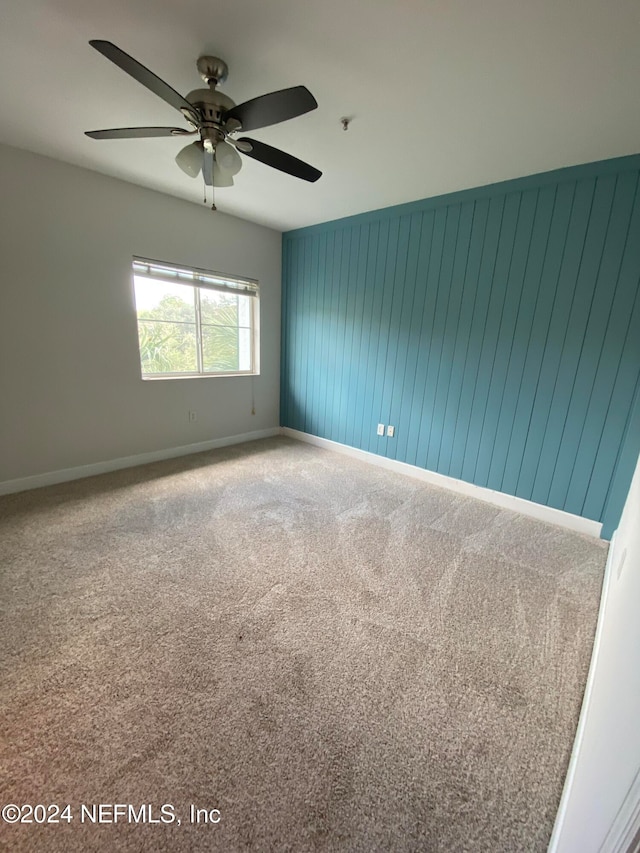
497	329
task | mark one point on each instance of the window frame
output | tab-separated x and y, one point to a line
200	279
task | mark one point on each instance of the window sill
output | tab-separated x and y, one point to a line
160	378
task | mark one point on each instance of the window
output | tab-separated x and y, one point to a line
193	322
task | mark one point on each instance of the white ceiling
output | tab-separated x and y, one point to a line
444	94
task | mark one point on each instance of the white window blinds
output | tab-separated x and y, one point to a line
195	277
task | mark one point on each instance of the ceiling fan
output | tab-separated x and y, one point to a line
216	119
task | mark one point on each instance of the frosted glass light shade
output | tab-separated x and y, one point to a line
190	159
228	158
220	177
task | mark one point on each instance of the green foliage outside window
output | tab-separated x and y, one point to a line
168	339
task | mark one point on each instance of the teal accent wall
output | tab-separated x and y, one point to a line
498	329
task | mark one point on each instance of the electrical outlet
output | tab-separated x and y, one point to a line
391	431
380	429
193	416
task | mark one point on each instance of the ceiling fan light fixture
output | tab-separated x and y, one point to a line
215	116
228	158
220	177
189	159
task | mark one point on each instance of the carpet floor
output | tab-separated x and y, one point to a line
317	654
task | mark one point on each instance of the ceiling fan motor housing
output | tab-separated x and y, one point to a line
212	106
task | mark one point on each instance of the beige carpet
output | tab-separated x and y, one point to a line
333	656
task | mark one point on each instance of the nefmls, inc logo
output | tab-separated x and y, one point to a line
127	813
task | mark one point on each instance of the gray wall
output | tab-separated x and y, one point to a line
70	386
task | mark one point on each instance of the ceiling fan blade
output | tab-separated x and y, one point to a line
142	75
213	175
279	160
137	132
207	168
273	108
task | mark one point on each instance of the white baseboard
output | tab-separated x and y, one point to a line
543	513
65	474
555	844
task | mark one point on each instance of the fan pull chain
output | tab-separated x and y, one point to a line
204	200
213	200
